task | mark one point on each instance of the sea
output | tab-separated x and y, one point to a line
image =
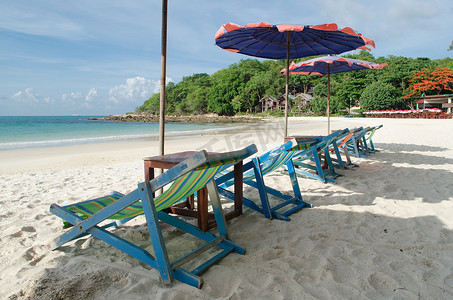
51	131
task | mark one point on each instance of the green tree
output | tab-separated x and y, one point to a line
400	69
261	84
302	81
151	105
187	96
319	101
351	85
445	63
226	85
380	96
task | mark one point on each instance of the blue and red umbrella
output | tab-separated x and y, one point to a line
288	42
327	65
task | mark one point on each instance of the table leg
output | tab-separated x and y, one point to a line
202	201
149	171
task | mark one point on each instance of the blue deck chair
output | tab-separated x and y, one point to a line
254	173
304	161
340	147
183	180
354	144
367	138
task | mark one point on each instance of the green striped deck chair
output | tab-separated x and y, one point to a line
309	164
368	139
95	216
254	173
355	143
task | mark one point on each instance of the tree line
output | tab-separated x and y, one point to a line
239	88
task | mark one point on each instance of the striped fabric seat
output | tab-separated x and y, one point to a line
271	164
277	161
257	168
180	189
309	164
321	147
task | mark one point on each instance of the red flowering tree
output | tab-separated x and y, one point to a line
437	82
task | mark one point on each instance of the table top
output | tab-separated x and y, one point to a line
174	158
300	137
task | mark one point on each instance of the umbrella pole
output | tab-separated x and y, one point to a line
328	99
163	73
287	86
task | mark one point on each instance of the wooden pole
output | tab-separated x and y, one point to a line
287	86
163	75
328	99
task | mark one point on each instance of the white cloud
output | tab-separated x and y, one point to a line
49	100
92	95
27	96
136	90
72	97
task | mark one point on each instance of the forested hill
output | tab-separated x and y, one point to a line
240	87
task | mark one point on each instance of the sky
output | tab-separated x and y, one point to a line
104	57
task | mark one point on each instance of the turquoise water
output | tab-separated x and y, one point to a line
37	132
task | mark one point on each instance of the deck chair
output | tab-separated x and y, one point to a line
340	147
309	164
183	180
254	173
367	138
354	144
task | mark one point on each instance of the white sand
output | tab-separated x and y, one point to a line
382	231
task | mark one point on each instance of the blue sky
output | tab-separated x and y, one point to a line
103	57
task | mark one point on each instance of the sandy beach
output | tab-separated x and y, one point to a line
382	231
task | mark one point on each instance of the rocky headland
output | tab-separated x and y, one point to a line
205	118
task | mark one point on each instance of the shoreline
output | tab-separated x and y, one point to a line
227	139
105	152
220	128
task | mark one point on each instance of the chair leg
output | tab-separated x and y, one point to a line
217	208
348	157
337	153
372	146
262	188
319	169
298	201
160	251
330	174
294	182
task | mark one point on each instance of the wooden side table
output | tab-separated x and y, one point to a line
206	220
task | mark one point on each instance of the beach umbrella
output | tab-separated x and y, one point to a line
328	65
288	42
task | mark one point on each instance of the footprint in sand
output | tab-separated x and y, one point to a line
382	282
32	257
28	229
17	234
39	217
449	280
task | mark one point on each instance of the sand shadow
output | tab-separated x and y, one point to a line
390	175
319	252
414	159
409	147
